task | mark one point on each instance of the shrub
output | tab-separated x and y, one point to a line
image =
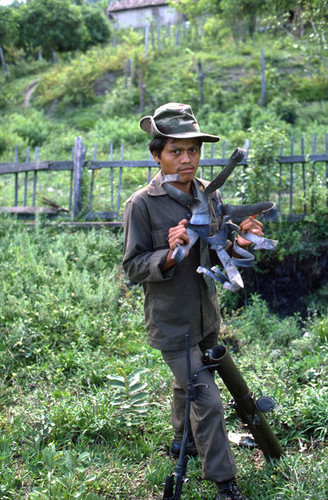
307	89
286	108
32	128
264	144
120	101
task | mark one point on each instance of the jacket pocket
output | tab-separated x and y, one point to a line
159	238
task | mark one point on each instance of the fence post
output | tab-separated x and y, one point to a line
3	62
201	83
147	39
263	81
78	162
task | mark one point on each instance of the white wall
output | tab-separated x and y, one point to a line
137	18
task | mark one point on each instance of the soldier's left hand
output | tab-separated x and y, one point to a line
249	225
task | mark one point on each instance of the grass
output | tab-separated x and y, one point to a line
85	402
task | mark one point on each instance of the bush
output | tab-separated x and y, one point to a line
97	25
120	101
31	128
264	144
286	108
307	89
73	84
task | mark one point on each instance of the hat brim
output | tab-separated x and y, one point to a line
147	124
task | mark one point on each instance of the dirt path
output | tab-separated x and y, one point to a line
30	89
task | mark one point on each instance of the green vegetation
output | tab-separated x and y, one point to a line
85	402
91	94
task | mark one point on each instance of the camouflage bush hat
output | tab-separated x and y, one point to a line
175	120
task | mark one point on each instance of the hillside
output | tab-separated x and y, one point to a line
85	401
93	96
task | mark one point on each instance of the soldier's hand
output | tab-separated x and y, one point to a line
178	235
249	225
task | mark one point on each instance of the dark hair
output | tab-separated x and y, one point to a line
157	144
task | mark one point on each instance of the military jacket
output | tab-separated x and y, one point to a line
179	300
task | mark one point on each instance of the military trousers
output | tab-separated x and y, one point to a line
206	414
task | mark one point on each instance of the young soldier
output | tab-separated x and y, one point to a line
178	300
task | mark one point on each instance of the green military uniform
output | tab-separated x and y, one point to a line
177	302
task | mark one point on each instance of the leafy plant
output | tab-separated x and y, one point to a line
130	398
264	146
71	481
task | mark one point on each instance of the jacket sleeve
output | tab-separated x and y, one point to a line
141	261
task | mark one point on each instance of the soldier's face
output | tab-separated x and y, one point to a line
180	156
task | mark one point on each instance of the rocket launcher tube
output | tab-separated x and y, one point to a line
246	409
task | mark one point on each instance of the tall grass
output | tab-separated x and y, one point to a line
85	402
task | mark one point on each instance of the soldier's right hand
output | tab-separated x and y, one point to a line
178	235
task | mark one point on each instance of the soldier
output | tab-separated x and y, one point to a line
178	300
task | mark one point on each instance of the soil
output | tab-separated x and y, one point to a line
289	286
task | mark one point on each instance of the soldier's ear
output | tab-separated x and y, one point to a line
156	157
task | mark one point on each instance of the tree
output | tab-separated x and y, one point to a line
97	24
8	27
53	25
239	15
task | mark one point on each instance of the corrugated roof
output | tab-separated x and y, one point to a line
133	4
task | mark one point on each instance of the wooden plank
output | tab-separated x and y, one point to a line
303	178
26	176
204	162
92	178
12	168
35	177
119	182
280	183
326	149
16	178
70	198
79	154
318	157
29	210
291	159
111	176
101	215
291	186
82	225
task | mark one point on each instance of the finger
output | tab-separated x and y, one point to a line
249	223
178	238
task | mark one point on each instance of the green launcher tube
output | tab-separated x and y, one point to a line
246	407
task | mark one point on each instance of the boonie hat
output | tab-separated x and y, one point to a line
175	120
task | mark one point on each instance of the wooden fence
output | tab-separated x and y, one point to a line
296	175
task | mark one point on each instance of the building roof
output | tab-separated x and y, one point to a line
133	4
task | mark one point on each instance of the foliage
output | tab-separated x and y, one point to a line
74	478
130	398
31	128
74	82
53	25
8	27
97	25
84	404
264	146
311	89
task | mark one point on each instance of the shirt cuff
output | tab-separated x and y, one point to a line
156	261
